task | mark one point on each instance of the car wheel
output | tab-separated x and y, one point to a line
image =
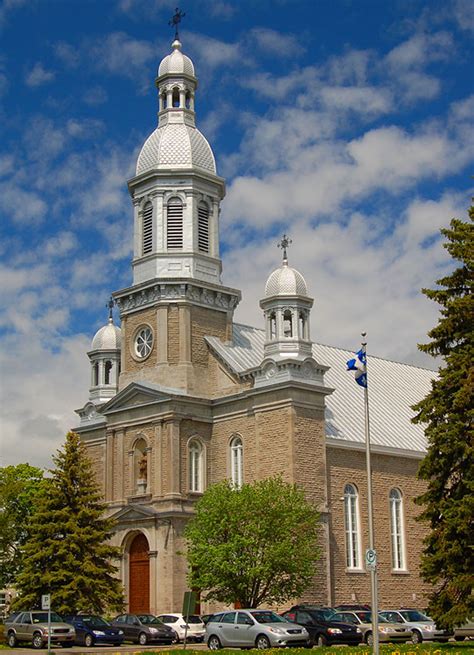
142	639
214	643
416	637
11	639
262	642
321	640
88	641
37	641
369	639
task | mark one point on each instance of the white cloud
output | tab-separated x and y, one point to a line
38	75
275	43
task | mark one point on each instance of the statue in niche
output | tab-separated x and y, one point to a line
143	467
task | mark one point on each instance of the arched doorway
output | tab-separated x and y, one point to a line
139	575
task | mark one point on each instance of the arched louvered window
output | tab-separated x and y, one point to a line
107	371
351	520
396	530
203	227
147	228
237	461
174	224
196	466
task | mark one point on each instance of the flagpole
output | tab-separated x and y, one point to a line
372	563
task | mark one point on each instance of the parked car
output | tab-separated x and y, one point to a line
192	626
322	629
391	632
91	629
11	617
33	627
253	628
422	627
352	608
464	631
144	628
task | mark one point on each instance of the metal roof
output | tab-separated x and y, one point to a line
393	388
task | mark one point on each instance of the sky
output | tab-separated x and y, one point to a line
347	124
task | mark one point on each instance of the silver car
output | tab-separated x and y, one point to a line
253	628
33	627
388	632
422	627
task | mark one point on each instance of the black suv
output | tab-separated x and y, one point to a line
323	631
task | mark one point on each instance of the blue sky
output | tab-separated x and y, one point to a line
347	124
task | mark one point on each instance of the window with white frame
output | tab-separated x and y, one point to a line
147	231
236	461
196	466
351	521
203	227
396	530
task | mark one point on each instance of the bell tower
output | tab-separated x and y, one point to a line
177	296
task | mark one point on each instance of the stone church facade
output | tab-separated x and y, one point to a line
182	397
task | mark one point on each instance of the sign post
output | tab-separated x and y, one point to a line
46	605
189	607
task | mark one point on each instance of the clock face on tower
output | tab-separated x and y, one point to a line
143	342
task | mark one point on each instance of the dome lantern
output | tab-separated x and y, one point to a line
104	356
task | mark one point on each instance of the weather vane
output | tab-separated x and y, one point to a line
176	20
284	243
110	305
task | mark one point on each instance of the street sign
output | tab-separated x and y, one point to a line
371	559
46	601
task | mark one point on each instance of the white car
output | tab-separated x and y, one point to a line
192	627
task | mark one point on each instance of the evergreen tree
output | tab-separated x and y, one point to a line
253	545
68	554
448	502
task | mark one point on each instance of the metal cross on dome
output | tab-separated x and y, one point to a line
284	243
176	20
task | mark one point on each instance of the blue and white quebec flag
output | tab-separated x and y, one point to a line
359	365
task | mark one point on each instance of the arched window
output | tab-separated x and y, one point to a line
396	530
203	227
273	325
196	466
188	100
174	224
236	461
164	100
95	374
175	97
147	228
287	323
107	371
351	520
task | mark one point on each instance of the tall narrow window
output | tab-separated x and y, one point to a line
236	461
175	97
203	227
174	224
195	466
351	520
287	324
396	530
107	371
95	375
273	326
147	231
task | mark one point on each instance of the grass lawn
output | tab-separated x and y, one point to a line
426	648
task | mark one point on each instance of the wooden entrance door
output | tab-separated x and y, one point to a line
139	576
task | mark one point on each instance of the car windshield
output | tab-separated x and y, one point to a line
414	615
93	620
322	615
148	618
42	617
366	617
193	619
267	617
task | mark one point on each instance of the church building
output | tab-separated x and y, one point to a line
182	397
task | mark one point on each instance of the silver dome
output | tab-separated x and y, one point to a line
176	62
286	281
107	338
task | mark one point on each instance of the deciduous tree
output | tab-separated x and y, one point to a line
18	487
447	411
68	553
253	545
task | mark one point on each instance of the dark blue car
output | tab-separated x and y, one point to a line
92	630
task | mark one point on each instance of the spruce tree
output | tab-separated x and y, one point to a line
448	467
68	554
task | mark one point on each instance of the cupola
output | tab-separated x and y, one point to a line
104	356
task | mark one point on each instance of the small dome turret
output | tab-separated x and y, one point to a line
107	337
286	281
176	62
